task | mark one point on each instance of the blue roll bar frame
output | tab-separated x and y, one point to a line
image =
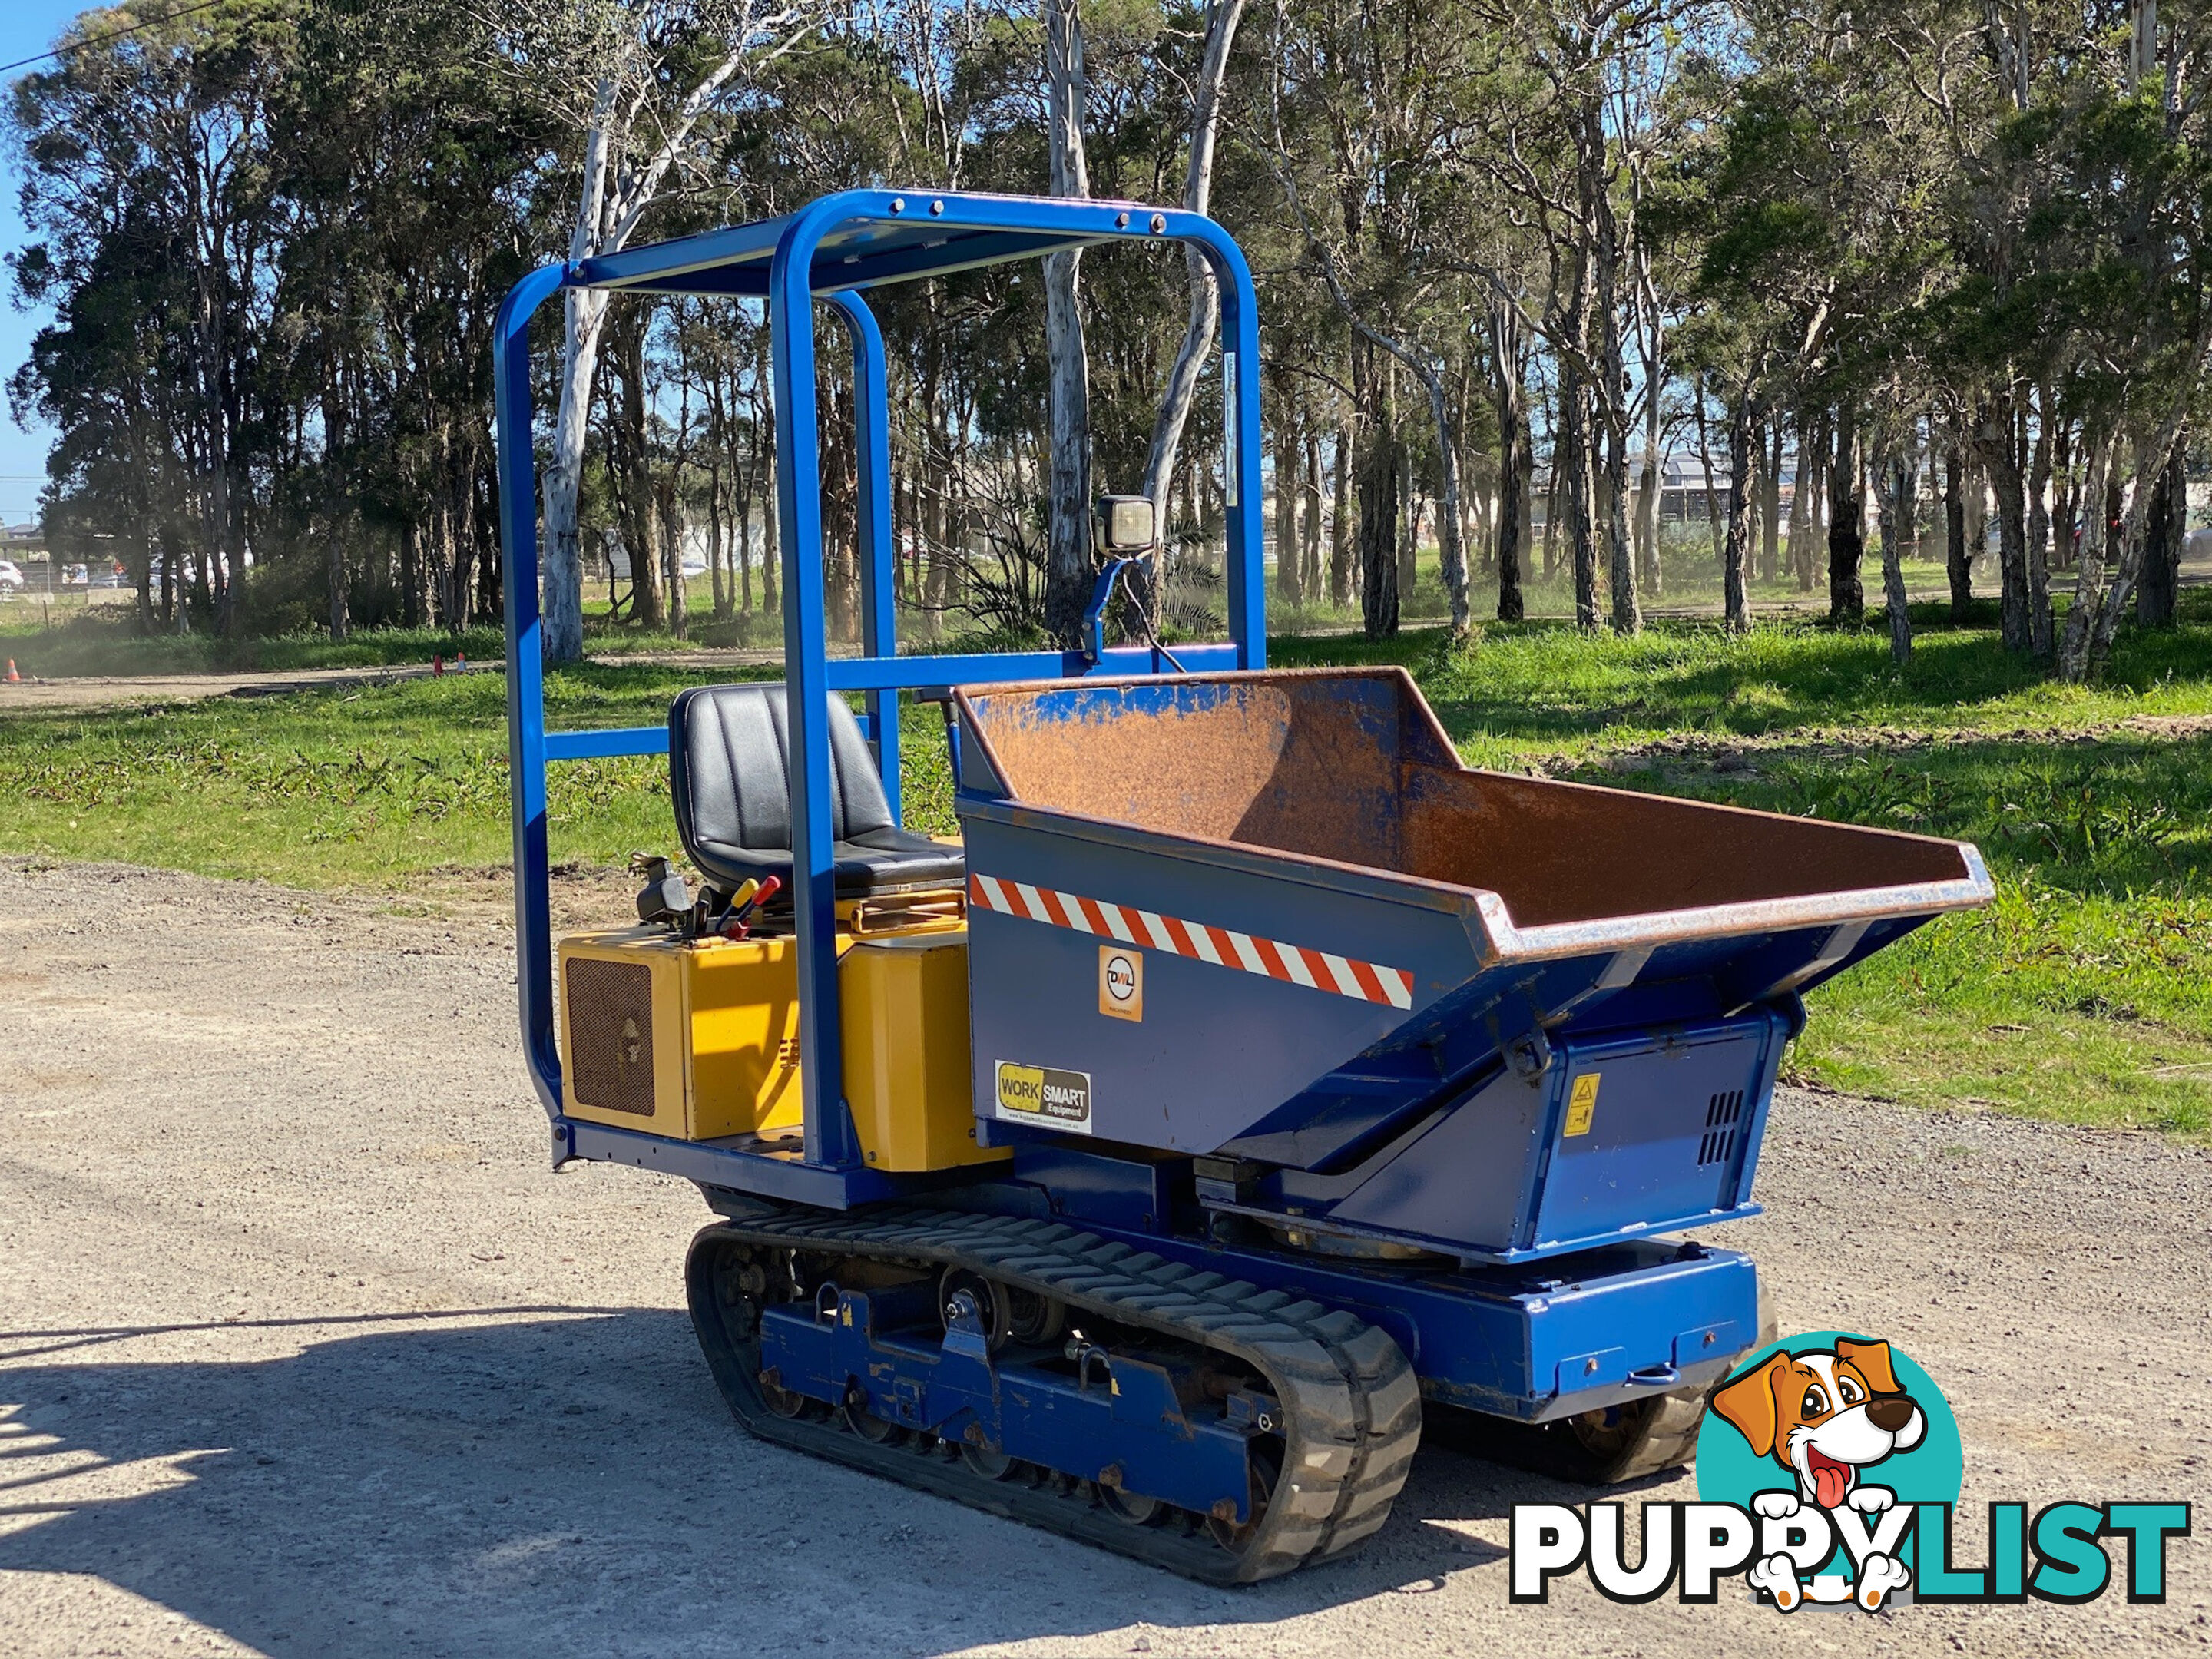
831	250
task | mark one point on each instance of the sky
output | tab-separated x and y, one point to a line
27	27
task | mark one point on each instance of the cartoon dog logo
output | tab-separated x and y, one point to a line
1826	1415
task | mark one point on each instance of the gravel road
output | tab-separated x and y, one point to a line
304	1350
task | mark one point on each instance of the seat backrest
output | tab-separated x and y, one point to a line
728	752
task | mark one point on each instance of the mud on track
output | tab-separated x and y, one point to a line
304	1350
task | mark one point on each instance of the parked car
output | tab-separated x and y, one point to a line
11	580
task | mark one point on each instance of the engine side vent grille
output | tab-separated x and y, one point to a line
609	1005
1721	1114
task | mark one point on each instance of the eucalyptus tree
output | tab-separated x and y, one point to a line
1222	17
639	81
163	134
1355	122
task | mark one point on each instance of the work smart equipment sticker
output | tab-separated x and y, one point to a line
1046	1094
1829	1467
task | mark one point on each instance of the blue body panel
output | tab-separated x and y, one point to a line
1245	1044
1671	1142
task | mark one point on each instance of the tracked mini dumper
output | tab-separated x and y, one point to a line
1252	1074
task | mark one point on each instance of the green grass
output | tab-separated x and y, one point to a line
2084	994
104	639
377	787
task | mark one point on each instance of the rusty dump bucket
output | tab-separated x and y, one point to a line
1271	914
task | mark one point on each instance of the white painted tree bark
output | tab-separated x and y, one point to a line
1221	18
617	188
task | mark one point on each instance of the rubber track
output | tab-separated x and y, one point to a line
1351	1406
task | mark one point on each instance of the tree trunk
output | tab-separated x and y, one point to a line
1608	446
1627	614
1716	525
1378	499
1997	439
1899	483
2154	458
2066	516
1067	569
1411	512
840	518
1736	542
1451	515
1846	523
771	526
2036	549
2097	527
2165	536
1958	559
718	556
1508	358
1573	458
1286	505
1221	18
1770	503
1805	496
142	571
1648	492
1651	484
1310	570
335	437
1551	500
583	313
629	428
410	574
672	552
1339	520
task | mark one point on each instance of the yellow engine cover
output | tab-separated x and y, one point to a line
907	1076
700	1041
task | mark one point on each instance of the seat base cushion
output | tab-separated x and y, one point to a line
884	861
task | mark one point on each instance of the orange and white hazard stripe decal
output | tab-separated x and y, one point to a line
1317	970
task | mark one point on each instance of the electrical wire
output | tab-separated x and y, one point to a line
111	35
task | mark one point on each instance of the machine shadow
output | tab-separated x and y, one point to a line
550	1485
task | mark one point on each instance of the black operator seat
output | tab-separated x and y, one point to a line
728	747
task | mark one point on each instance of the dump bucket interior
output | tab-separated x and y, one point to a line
1351	766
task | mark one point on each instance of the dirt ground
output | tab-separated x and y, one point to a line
304	1350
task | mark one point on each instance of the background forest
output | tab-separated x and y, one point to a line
1883	281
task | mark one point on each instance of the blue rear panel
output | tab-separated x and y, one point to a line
1670	1132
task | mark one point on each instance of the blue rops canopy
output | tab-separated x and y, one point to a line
829	252
907	236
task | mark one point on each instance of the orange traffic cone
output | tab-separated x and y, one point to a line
14	679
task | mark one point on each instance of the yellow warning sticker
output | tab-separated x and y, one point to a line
1581	1104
